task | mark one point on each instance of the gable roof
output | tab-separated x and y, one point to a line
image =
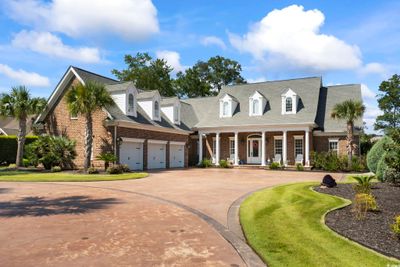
10	125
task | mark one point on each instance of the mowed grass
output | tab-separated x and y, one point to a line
285	226
31	176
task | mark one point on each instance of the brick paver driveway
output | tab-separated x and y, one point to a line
171	218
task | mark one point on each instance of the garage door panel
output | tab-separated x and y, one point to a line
131	154
177	156
156	156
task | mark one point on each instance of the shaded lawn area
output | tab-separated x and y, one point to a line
29	176
285	227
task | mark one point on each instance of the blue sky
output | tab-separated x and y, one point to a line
342	41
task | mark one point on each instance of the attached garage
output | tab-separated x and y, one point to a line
176	154
156	154
131	153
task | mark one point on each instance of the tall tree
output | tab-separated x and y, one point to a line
19	104
147	73
190	84
349	111
85	100
389	103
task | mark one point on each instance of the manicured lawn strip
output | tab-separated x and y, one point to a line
14	176
285	226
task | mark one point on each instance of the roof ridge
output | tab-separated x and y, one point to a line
90	72
284	80
338	85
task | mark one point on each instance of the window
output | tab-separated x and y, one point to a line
225	108
176	114
131	103
232	148
214	145
298	146
333	146
256	107
278	146
289	104
156	110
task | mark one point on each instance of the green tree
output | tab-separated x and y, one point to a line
85	100
389	103
190	84
19	104
349	111
147	73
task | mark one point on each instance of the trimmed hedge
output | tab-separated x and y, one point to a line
376	153
8	147
381	168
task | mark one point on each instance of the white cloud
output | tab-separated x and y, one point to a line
173	59
24	77
213	40
131	19
373	68
367	93
49	44
290	36
256	80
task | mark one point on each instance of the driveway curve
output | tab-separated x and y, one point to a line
171	218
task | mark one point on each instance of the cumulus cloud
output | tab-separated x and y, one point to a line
24	77
131	19
367	93
291	36
49	44
373	68
213	40
173	59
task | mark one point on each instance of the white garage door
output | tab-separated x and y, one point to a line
176	156
131	153
156	155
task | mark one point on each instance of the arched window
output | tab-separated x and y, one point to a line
156	109
289	104
256	106
225	108
131	103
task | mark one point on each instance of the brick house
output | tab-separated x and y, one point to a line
255	123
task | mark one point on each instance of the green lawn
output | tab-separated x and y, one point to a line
29	176
285	226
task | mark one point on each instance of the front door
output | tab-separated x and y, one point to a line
253	151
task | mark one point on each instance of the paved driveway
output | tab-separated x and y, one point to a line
171	218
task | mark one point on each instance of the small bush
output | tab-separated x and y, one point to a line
275	166
55	169
396	226
299	167
363	183
92	170
107	157
205	163
114	170
363	203
381	168
124	168
391	176
12	166
223	164
376	153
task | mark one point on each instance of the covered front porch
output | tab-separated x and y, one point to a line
285	146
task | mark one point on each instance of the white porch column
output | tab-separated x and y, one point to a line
236	160
200	147
284	148
263	148
307	147
217	149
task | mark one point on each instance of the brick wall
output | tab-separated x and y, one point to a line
322	144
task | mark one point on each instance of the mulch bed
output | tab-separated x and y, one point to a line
373	231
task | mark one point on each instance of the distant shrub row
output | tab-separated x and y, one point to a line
8	148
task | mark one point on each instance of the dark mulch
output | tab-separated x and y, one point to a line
374	231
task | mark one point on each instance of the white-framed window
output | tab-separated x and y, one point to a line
298	146
225	108
278	146
333	145
232	147
256	106
214	147
156	109
131	103
289	104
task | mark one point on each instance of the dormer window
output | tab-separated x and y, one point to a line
256	106
227	106
257	103
156	109
289	102
131	103
176	114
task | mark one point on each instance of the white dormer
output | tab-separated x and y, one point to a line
227	105
257	103
171	107
289	102
150	102
125	97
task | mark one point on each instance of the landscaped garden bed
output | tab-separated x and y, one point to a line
374	230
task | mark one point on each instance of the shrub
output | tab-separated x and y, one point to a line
205	163
124	168
107	157
223	163
396	226
55	169
26	162
8	147
114	170
299	167
52	151
376	153
363	183
391	176
275	166
12	166
92	170
358	164
381	168
363	203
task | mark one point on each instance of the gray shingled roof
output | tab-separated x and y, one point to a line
90	76
167	101
143	95
122	86
199	107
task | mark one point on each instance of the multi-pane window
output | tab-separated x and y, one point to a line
298	147
256	105
232	148
131	103
289	104
278	146
333	146
225	108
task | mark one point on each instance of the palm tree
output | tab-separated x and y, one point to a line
19	104
85	100
350	111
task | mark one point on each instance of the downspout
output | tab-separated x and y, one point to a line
115	142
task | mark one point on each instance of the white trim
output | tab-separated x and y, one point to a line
1	130
333	139
135	125
160	142
258	128
341	133
132	140
278	137
294	146
177	143
298	136
77	76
